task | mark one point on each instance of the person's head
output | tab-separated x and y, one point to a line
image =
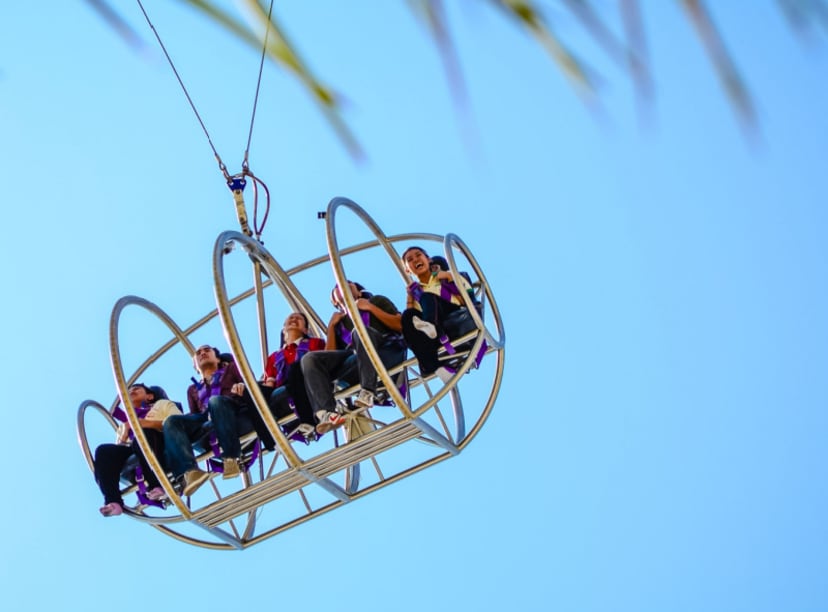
357	291
416	262
139	394
296	326
158	393
438	264
206	357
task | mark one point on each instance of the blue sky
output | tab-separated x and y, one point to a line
658	443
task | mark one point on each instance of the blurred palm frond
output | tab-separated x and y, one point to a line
433	14
638	60
282	51
114	20
802	14
529	16
630	51
724	66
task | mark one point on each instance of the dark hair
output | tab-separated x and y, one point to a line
413	248
440	261
151	390
216	351
158	393
362	292
219	356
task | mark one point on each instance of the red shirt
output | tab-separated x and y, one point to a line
278	362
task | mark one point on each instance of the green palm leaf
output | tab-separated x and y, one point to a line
525	12
279	49
630	52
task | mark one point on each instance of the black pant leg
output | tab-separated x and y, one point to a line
155	439
295	385
109	461
424	348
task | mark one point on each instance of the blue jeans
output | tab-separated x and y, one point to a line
180	430
230	420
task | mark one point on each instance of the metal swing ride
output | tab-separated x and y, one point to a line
421	422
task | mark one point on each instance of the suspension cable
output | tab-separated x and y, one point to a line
258	85
222	167
235	182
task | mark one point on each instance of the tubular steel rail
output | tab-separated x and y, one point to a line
292	487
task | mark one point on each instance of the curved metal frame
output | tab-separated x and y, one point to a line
316	470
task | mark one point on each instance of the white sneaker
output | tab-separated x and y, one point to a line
444	374
328	421
424	326
365	399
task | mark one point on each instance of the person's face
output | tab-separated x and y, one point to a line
435	267
416	262
205	356
339	300
138	395
295	322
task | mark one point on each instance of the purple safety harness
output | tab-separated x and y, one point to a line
448	289
141	412
206	390
346	334
281	364
347	337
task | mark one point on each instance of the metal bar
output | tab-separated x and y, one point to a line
260	311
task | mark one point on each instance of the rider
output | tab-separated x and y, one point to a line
344	350
152	408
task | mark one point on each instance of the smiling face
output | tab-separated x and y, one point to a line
416	263
296	325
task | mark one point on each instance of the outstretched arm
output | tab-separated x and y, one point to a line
391	321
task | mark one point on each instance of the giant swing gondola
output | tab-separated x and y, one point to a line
422	423
404	423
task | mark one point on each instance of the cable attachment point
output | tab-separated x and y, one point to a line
223	169
237	185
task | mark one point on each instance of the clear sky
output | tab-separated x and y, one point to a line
658	443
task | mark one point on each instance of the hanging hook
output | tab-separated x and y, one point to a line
237	184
